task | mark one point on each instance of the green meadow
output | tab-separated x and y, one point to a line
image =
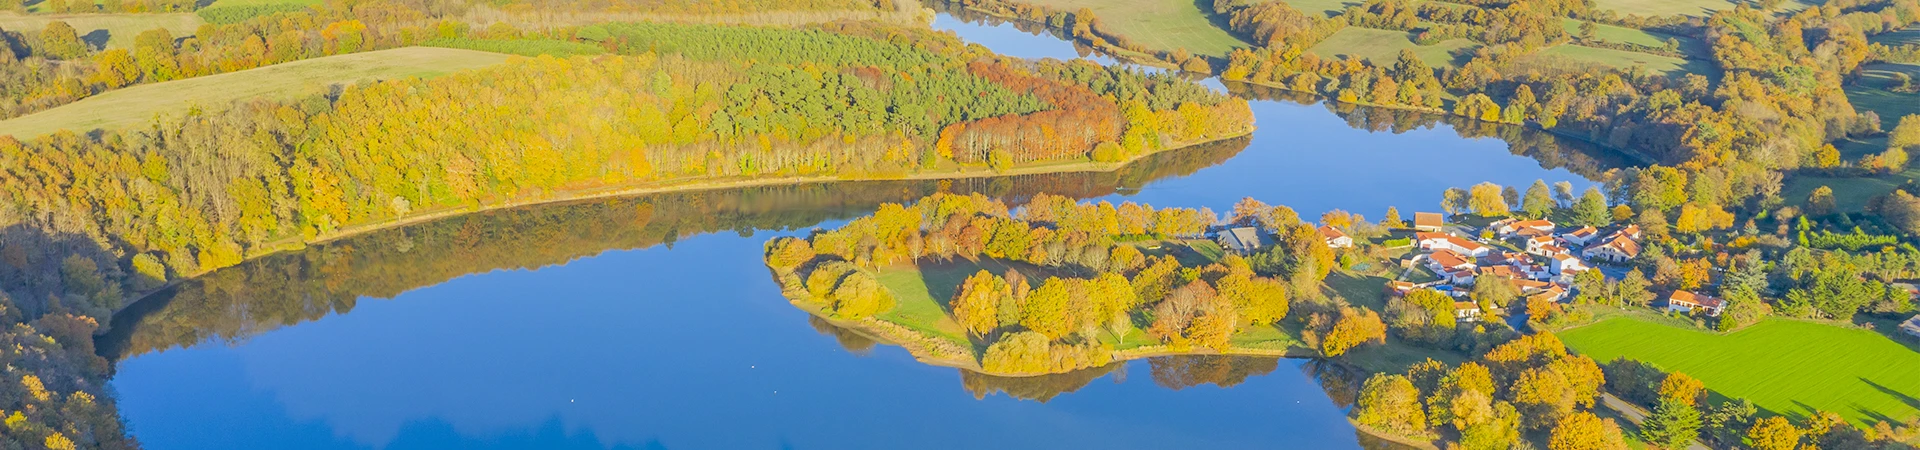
1785	367
1158	24
105	30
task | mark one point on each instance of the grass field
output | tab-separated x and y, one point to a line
1325	7
265	2
1783	366
1910	35
920	295
105	30
1871	94
136	105
1158	24
1383	46
1688	7
1621	58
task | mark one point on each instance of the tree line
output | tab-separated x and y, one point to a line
1074	285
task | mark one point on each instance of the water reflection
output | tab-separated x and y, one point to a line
233	304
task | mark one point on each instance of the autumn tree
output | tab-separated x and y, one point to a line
976	304
1820	202
1585	431
1774	433
1487	200
1391	403
59	41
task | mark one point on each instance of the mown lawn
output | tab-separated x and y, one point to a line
920	295
1850	194
138	104
1158	24
1783	366
1383	46
105	30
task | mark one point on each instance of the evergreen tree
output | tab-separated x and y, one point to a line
1674	424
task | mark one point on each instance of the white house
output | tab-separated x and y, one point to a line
1565	263
1581	236
1443	261
1443	241
1335	238
1685	301
1912	326
1242	240
1511	227
1618	248
1466	311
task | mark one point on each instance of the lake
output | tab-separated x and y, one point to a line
651	322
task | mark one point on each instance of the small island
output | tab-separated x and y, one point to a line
1057	285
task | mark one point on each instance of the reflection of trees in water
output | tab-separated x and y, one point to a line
1181	372
1551	151
1038	388
236	303
963	14
853	341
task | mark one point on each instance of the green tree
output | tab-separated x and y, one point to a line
1674	424
1538	201
156	54
1591	209
59	41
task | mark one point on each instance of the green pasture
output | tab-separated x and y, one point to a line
1687	7
1383	46
1622	59
138	104
1325	7
1783	366
1158	24
1871	92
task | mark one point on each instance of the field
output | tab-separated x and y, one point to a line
1688	7
1871	92
1783	366
136	105
1621	58
264	2
1326	7
1158	24
1383	46
105	30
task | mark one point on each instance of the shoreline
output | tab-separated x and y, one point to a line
890	333
659	187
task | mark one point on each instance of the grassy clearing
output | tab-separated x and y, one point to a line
1158	24
1783	366
1687	7
1326	7
1849	194
138	104
920	294
1383	46
265	2
1621	58
1871	92
105	30
1910	35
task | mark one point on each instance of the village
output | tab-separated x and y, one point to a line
1538	258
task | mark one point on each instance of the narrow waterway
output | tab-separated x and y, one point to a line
650	322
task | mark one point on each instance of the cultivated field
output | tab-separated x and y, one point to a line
1688	7
1784	366
138	104
1383	46
109	30
1158	24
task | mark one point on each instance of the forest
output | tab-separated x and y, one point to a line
185	196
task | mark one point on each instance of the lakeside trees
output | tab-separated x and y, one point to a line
1071	287
207	190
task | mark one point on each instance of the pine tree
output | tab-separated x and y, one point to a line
1674	424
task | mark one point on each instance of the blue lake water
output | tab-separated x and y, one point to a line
652	323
